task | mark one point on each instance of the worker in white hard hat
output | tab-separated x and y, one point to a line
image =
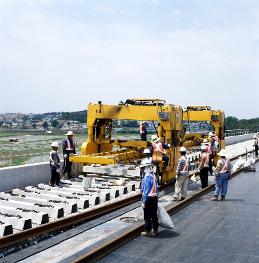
223	172
148	158
143	131
158	149
204	166
54	163
182	176
149	190
255	144
68	146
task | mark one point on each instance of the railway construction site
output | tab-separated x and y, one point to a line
97	215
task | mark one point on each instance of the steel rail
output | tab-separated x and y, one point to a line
71	220
108	247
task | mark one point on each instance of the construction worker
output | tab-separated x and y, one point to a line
149	192
222	171
210	152
204	166
159	148
54	163
68	146
256	145
182	176
143	131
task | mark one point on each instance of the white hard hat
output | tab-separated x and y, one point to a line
222	153
205	141
203	147
146	151
254	136
182	149
70	133
211	134
54	144
146	162
154	138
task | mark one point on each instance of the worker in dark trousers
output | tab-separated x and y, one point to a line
54	163
68	147
256	145
223	172
143	131
149	191
204	167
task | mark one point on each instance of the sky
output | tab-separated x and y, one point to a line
60	55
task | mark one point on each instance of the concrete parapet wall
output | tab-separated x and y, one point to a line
236	139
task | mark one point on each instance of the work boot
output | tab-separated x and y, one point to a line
182	198
222	198
154	232
215	198
146	234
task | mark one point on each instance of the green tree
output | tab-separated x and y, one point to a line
45	125
34	126
54	123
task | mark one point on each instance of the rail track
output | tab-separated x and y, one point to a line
72	220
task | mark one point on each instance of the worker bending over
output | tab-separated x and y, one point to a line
149	192
68	146
204	167
54	163
158	149
182	176
223	172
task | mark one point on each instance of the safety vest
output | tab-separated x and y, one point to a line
70	146
154	188
224	167
50	158
158	147
209	149
142	128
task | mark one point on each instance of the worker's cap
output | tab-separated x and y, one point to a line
182	149
203	147
70	133
155	138
146	162
146	151
205	141
222	153
54	144
254	136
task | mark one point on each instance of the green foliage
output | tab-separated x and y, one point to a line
45	125
79	116
54	123
232	123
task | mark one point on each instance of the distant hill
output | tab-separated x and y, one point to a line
232	123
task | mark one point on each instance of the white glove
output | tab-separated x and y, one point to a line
213	168
65	155
57	170
143	205
169	145
198	170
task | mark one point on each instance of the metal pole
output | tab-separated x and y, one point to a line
11	153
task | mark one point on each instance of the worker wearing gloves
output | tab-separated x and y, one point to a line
159	148
204	167
182	176
54	163
68	147
222	171
256	145
149	192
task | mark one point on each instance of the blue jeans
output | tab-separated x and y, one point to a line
221	184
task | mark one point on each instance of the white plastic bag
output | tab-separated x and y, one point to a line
164	219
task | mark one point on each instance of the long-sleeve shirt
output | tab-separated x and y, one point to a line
54	161
147	185
222	164
182	166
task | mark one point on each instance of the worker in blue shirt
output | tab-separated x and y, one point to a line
149	191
